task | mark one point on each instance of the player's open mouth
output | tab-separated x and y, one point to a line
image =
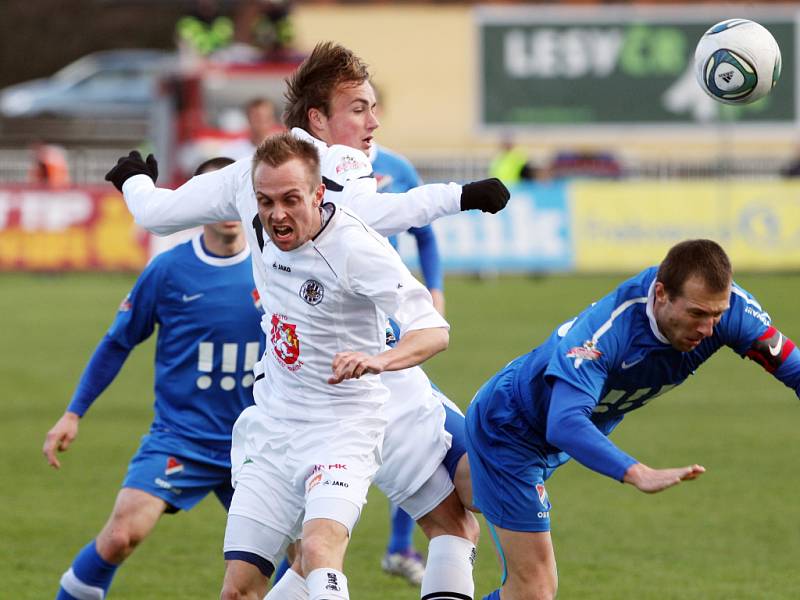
282	231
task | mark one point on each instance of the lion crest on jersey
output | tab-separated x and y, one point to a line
285	342
312	291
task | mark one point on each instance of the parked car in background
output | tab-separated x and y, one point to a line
113	83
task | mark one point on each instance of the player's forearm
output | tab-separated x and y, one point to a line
201	200
106	362
414	348
390	214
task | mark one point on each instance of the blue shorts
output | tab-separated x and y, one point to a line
508	474
181	482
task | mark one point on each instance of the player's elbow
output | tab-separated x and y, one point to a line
440	339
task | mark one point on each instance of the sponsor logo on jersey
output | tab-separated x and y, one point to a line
391	338
192	298
313	482
285	343
336	483
544	499
349	163
173	466
312	291
588	351
125	305
281	267
333	582
758	314
256	298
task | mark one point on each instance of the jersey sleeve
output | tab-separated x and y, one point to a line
744	321
587	351
347	176
138	313
429	259
569	428
206	198
106	362
376	272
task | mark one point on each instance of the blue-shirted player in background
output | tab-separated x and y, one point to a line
563	398
201	296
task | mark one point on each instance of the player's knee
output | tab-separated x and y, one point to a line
117	542
451	518
317	549
231	592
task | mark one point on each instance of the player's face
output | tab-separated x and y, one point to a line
352	119
288	203
261	119
687	319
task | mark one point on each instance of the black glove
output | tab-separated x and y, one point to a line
490	195
131	165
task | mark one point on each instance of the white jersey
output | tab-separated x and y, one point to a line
330	295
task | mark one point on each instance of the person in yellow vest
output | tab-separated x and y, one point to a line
511	165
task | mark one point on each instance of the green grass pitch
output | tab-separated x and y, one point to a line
733	534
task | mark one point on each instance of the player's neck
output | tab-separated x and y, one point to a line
223	246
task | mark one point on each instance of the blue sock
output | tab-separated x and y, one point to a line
495	595
91	570
279	572
402	531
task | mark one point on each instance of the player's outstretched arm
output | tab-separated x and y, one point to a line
59	438
414	348
206	198
651	481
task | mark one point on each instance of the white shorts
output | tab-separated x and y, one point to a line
414	445
274	482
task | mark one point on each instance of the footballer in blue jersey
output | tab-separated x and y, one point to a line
562	399
201	297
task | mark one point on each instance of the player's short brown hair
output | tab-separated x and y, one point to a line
701	258
313	83
281	148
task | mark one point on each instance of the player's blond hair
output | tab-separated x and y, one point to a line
280	148
313	83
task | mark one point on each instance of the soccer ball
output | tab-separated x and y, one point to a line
737	61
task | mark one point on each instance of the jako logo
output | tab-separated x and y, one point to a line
333	582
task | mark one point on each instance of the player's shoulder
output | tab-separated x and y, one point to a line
744	305
343	163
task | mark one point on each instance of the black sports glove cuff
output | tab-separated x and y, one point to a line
131	165
488	195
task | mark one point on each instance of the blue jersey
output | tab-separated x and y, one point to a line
615	355
395	174
209	338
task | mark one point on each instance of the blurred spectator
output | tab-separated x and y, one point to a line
262	121
586	163
265	24
206	30
511	165
50	166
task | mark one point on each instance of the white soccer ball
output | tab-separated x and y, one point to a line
737	61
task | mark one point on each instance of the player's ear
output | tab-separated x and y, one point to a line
660	293
316	119
318	195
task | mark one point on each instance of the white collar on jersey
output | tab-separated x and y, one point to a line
651	316
302	134
218	261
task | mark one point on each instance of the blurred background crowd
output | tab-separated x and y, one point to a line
561	99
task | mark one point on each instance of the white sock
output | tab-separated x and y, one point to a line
448	571
291	587
327	584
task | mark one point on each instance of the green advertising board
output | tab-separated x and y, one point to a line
614	66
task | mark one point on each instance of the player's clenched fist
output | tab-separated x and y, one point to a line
60	437
352	365
131	165
489	195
